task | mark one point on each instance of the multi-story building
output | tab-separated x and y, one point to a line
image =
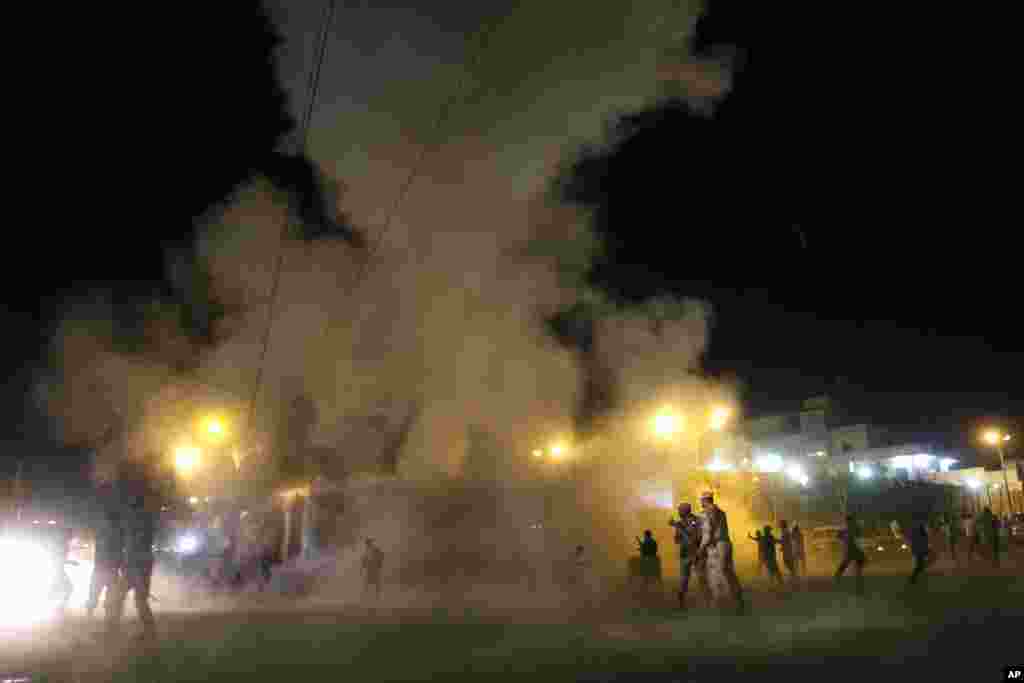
819	441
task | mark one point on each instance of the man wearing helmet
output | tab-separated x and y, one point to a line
716	546
688	537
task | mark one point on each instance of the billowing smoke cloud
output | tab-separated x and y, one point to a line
437	333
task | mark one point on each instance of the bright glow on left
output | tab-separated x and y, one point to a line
27	576
946	463
864	472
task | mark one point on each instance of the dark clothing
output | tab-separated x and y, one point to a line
687	536
373	562
648	547
788	554
851	554
140	534
994	526
919	540
104	582
919	548
766	548
920	564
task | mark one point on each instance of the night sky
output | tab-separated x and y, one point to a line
829	211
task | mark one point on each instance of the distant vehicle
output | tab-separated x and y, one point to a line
824	539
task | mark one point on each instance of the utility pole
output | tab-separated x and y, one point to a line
1006	482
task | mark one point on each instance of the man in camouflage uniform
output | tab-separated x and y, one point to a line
716	546
687	537
109	552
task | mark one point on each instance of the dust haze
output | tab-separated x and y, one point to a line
431	342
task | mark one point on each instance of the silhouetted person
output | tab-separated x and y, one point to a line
373	564
140	534
756	538
650	563
992	528
973	535
852	552
766	552
788	551
920	550
799	548
951	532
108	556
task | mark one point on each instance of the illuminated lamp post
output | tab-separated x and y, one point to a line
997	439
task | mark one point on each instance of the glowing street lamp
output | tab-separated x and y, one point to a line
719	417
666	424
557	451
186	460
995	438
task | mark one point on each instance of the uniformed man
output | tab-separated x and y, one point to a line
140	534
716	546
788	549
373	563
108	557
851	552
687	537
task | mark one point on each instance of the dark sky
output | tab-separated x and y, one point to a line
837	130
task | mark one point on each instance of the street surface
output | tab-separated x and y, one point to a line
956	626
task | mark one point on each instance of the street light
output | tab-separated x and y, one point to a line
719	417
186	460
995	438
666	424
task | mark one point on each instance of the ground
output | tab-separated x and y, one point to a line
959	624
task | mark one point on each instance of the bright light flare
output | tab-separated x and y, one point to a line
214	428
770	462
864	472
27	576
992	437
538	453
187	544
719	465
558	451
973	484
193	500
797	474
719	417
666	425
186	460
